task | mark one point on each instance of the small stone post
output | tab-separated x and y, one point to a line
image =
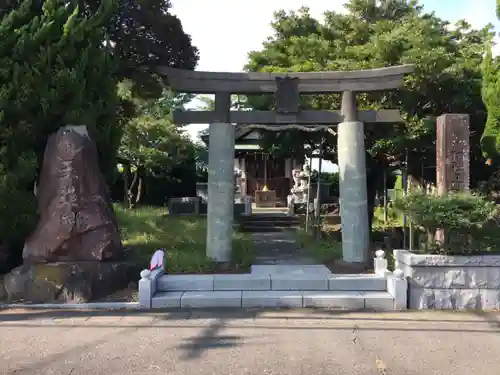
290	205
247	199
380	263
352	183
220	183
397	287
147	286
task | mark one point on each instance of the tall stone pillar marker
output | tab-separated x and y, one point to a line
452	157
220	182
452	153
352	183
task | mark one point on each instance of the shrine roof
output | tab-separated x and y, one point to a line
239	137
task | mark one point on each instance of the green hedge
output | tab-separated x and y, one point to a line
468	221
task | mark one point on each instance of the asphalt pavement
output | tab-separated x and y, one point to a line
253	342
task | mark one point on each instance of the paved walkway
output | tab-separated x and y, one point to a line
249	342
279	248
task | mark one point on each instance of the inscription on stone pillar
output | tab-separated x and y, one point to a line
452	153
287	95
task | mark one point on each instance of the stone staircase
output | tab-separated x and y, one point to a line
268	222
275	286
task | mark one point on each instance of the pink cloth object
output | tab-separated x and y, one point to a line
157	260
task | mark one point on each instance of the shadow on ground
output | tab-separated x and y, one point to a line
212	321
264	314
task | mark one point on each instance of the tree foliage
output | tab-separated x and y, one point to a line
61	62
374	34
379	34
469	221
152	144
144	35
490	140
151	140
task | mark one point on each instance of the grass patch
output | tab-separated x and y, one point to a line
328	249
147	229
325	250
394	219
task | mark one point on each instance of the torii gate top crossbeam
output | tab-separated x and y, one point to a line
199	82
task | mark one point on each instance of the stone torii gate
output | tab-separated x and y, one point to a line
287	88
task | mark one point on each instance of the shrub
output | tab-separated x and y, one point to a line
17	208
469	222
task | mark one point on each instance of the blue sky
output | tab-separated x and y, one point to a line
226	30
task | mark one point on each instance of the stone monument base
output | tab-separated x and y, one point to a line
71	282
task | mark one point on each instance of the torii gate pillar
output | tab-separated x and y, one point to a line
220	182
352	183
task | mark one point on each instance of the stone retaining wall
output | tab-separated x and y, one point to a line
450	282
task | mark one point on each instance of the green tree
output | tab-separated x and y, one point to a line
490	140
55	70
152	144
144	35
374	34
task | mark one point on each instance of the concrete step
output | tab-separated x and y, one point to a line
267	278
287	269
264	223
269	211
350	300
270	218
262	229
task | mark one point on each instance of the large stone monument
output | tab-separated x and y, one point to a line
452	153
77	221
75	250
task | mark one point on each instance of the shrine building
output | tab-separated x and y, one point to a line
261	172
